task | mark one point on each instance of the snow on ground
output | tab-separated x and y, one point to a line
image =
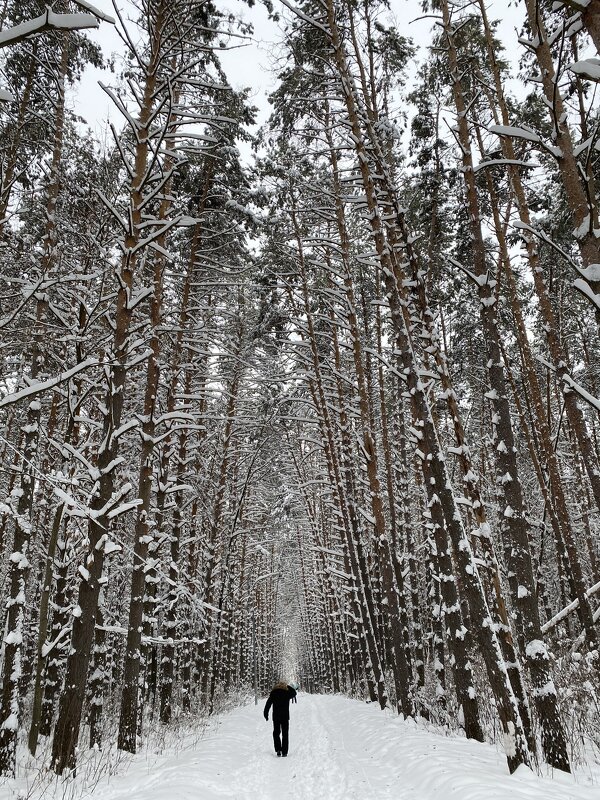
340	749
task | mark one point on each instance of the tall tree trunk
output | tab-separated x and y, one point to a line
516	749
513	523
132	691
22	500
557	350
66	733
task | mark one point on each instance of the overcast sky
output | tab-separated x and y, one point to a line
251	65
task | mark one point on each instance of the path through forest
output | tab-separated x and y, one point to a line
340	749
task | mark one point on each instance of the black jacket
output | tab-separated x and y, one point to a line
280	700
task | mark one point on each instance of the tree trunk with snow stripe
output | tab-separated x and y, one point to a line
106	495
556	344
516	744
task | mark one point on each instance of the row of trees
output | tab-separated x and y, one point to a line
335	412
129	423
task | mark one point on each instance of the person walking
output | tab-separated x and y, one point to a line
280	697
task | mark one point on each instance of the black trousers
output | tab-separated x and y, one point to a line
281	726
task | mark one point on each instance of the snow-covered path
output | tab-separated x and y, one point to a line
340	749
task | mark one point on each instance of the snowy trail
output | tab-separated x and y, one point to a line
340	749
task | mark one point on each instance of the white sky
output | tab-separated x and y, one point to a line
251	66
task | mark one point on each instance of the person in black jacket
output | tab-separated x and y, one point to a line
280	697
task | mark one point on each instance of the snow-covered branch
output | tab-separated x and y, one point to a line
48	21
563	613
42	386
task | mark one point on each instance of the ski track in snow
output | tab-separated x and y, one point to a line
340	749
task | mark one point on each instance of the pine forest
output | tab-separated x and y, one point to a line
307	393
